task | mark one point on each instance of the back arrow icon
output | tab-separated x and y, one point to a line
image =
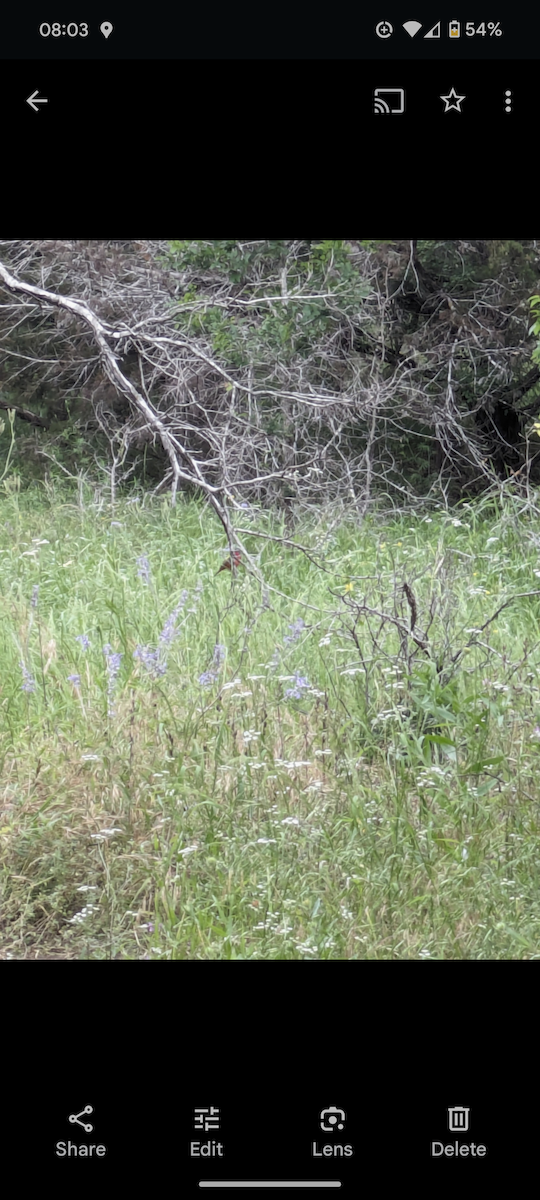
33	100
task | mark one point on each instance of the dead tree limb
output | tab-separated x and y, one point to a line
101	333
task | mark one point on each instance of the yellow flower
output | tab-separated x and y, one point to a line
349	587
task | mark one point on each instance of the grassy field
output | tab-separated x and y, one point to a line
337	768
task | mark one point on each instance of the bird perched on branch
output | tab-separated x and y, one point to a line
231	563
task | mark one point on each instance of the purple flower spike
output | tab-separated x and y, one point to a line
113	667
169	630
210	676
296	631
144	569
152	660
300	681
28	683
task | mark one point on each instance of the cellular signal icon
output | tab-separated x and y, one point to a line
389	101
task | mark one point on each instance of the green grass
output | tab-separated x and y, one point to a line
389	810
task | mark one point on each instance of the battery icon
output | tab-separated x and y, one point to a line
454	29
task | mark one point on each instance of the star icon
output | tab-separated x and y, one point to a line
452	100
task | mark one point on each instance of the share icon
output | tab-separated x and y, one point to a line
74	1118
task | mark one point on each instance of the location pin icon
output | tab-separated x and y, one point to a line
106	28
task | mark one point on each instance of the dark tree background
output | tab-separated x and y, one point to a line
288	373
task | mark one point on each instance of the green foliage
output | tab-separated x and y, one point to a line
465	264
283	298
233	260
513	257
535	327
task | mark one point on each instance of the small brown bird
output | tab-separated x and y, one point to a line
231	563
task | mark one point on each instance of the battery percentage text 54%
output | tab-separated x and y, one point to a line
492	28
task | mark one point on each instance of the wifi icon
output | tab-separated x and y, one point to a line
412	27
